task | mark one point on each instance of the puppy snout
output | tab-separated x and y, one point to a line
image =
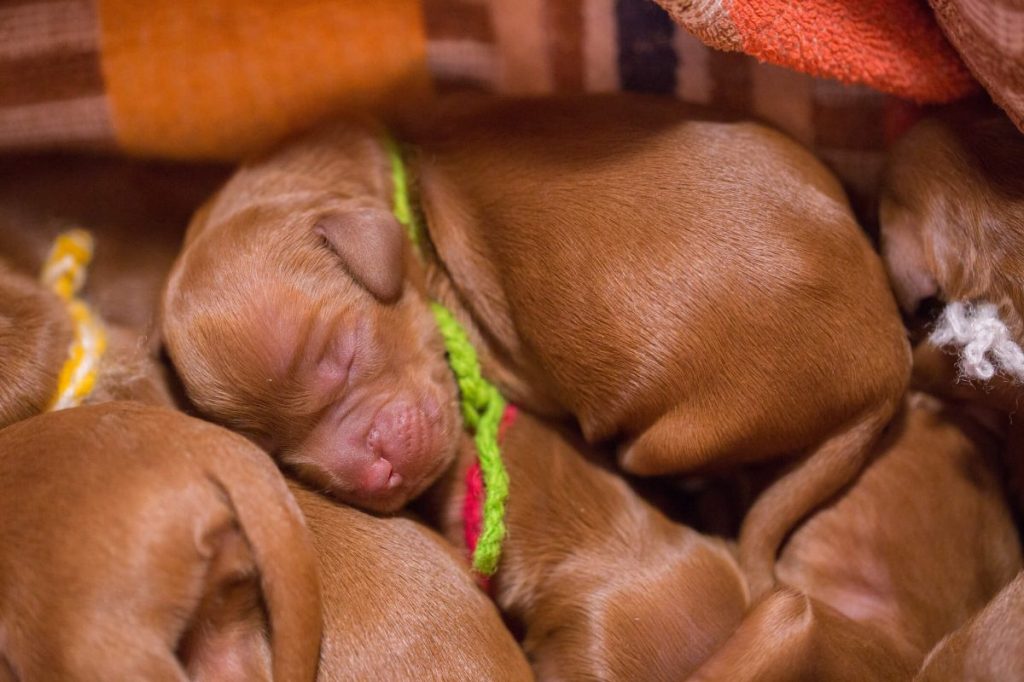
400	434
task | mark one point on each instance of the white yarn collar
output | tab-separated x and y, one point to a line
984	342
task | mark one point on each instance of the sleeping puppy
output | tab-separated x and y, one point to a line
918	543
399	604
697	289
988	648
952	229
923	539
602	585
138	543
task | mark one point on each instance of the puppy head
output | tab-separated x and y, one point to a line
303	322
952	212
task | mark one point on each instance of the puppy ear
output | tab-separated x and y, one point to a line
369	243
227	638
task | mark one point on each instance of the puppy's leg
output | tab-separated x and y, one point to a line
675	443
822	474
789	636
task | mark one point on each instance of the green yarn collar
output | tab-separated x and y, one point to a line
481	402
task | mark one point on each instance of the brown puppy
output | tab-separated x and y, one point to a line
603	585
700	289
952	212
922	540
988	648
399	604
918	543
138	543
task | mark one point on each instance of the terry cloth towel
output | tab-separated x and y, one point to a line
989	34
892	45
195	79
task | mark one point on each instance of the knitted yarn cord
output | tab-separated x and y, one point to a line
985	343
482	409
64	273
481	403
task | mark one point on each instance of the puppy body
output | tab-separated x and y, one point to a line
399	604
988	648
917	544
603	585
923	539
139	543
699	289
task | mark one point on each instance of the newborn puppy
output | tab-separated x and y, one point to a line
988	648
923	539
699	289
919	542
603	585
138	543
399	604
952	212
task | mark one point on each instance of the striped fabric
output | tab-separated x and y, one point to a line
51	86
990	37
548	46
197	79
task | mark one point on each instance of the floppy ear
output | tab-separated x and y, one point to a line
369	243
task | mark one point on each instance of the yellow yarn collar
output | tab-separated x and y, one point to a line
64	273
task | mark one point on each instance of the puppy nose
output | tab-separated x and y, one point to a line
380	475
399	433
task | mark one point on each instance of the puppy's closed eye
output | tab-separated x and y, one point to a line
369	243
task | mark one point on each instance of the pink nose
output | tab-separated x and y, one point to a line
400	434
380	475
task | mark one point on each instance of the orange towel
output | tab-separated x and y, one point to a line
892	45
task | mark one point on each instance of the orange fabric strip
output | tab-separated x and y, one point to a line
201	79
